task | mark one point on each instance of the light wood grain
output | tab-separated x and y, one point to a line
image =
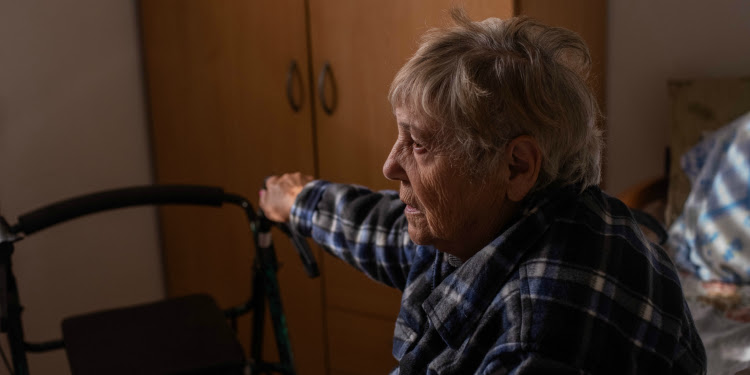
217	87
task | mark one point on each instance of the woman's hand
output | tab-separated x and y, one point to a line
277	199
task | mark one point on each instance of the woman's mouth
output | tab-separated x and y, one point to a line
411	210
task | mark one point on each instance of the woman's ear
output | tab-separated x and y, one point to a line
524	162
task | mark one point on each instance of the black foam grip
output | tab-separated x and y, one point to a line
111	199
308	260
305	254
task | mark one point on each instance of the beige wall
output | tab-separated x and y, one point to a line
72	121
651	41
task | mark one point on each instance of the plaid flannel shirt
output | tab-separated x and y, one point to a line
571	287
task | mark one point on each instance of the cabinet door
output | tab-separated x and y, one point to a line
366	42
217	84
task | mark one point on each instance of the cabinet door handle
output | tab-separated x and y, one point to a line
290	75
326	72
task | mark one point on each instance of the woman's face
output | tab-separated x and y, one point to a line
444	206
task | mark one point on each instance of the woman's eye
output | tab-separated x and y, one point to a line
416	145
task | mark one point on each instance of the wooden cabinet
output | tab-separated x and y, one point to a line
216	74
219	79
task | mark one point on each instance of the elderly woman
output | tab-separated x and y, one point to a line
510	258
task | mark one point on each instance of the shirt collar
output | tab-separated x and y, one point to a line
458	303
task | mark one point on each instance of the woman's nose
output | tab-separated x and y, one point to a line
392	168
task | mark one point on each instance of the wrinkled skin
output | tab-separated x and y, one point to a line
445	207
277	199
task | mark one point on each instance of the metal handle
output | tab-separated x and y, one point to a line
61	211
305	254
291	73
326	71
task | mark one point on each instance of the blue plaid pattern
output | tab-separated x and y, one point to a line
712	236
571	287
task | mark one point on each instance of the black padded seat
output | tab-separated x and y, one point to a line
186	335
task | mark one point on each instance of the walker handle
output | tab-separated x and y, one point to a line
305	254
55	213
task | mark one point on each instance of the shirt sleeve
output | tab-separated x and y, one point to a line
366	229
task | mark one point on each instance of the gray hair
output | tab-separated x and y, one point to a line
486	83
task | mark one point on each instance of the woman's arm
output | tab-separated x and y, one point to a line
364	228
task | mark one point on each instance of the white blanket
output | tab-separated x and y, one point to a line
727	341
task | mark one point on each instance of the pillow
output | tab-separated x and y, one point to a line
711	237
698	106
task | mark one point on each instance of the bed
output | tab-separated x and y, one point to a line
704	201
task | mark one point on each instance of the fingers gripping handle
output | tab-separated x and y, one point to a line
305	254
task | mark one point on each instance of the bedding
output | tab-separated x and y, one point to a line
722	322
706	139
711	238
